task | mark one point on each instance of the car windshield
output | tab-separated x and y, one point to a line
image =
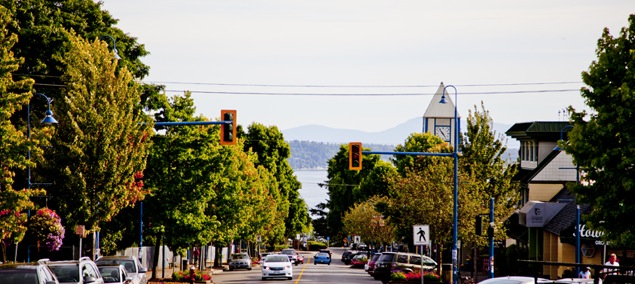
66	273
127	263
240	256
277	258
388	257
110	274
322	254
288	251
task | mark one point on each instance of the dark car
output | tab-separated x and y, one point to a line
400	261
19	273
347	256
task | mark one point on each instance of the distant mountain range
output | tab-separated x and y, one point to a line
393	136
313	145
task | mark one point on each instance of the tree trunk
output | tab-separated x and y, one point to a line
155	257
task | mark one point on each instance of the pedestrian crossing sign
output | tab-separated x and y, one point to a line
421	235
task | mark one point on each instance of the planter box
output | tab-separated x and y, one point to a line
172	281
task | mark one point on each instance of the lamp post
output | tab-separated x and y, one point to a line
48	120
114	46
577	181
455	155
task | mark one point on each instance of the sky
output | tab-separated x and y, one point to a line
370	65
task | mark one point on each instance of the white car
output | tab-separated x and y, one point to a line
130	263
277	266
515	280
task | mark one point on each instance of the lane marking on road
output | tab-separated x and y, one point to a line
297	280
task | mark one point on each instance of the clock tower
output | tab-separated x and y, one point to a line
439	117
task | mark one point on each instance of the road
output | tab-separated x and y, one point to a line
308	272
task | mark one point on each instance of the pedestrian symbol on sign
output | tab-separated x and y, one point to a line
421	234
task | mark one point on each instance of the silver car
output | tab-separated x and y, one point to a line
131	263
239	261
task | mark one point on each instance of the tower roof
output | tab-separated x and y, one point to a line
437	109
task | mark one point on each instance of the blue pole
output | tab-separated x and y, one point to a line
455	223
491	237
577	241
140	229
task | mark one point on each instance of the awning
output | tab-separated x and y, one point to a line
537	213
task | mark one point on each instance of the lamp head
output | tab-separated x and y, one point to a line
116	52
443	100
49	119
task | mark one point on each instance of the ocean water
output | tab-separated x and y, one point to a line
311	192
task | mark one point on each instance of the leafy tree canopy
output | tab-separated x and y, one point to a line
603	145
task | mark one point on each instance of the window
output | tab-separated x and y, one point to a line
415	259
402	258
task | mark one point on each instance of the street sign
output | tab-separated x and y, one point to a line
421	235
357	239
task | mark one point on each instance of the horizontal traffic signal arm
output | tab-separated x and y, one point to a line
180	123
409	153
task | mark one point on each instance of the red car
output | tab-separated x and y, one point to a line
300	259
359	261
371	263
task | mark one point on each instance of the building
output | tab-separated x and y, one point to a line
547	221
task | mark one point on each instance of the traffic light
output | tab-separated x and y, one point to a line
479	225
228	131
355	156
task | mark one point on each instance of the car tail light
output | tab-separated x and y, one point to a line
393	266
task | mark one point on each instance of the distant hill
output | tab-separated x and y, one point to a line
393	136
313	145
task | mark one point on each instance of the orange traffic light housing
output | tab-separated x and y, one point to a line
228	130
355	156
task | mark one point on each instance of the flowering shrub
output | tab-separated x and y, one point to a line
413	276
47	228
184	276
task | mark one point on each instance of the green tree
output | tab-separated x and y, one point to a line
344	187
365	221
483	162
103	137
272	152
603	145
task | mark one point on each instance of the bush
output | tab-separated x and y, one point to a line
315	245
184	276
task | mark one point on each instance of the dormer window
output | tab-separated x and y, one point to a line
529	150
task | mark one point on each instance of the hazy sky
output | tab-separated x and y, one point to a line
291	62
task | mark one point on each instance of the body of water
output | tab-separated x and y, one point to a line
311	192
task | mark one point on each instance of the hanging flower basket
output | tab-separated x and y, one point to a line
47	228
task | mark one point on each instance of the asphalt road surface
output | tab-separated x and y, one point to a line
308	272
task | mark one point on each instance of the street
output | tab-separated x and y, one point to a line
308	272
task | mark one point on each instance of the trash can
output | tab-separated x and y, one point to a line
446	273
184	264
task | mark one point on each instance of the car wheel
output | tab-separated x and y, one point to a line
248	268
231	269
315	263
264	278
289	278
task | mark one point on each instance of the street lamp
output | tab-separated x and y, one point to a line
455	155
114	46
48	120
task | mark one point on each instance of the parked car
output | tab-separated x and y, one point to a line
370	266
239	261
277	266
300	259
293	255
82	271
347	256
263	255
115	273
359	260
322	257
35	272
131	263
400	261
